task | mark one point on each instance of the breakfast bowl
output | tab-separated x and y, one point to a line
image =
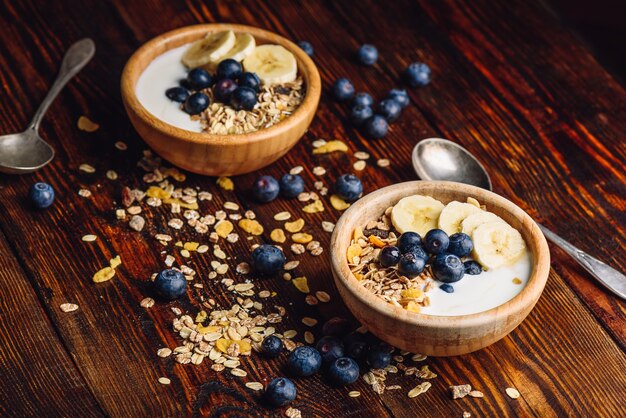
437	335
209	153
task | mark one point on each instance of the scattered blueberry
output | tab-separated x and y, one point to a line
460	244
448	288
224	89
348	187
196	103
389	109
400	96
472	267
170	284
343	371
436	241
409	240
304	361
291	185
448	268
356	346
243	98
411	265
362	99
249	80
272	346
177	94
417	74
265	189
389	256
336	327
280	391
306	47
359	114
368	54
342	90
330	348
375	127
184	83
199	79
228	68
41	195
379	356
267	260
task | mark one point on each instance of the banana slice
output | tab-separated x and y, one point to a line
208	49
416	213
497	244
272	63
244	45
453	214
469	224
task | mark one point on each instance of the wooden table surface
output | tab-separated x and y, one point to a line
510	82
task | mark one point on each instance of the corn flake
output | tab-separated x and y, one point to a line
226	183
251	226
223	228
338	203
294	226
302	284
278	235
331	146
354	250
358	233
302	238
314	207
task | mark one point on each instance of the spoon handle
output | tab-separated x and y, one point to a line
74	60
608	276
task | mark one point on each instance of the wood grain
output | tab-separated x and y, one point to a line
510	83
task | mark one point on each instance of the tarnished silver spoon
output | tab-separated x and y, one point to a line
440	159
26	151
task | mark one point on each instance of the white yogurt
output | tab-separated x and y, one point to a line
473	294
163	72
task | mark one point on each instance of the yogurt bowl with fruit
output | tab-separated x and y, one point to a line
220	99
438	268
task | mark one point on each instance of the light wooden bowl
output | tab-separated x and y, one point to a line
217	155
429	334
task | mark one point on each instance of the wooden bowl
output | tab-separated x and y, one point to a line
217	155
429	334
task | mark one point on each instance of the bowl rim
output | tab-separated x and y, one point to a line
169	40
531	291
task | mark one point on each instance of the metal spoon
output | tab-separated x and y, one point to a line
26	152
440	159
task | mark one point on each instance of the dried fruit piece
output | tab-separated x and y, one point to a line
302	284
331	146
251	226
223	228
314	207
377	242
87	125
278	235
294	226
226	183
154	191
338	203
104	274
302	238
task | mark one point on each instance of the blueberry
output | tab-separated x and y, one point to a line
250	80
306	47
389	109
304	361
367	54
359	114
436	241
291	185
417	74
409	240
472	267
177	94
356	346
223	90
348	187
41	195
199	79
243	98
342	90
272	346
336	327
375	127
170	284
280	391
411	265
196	103
362	99
379	356
228	68
265	189
400	96
389	256
418	251
448	288
448	268
343	371
267	260
330	348
460	244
